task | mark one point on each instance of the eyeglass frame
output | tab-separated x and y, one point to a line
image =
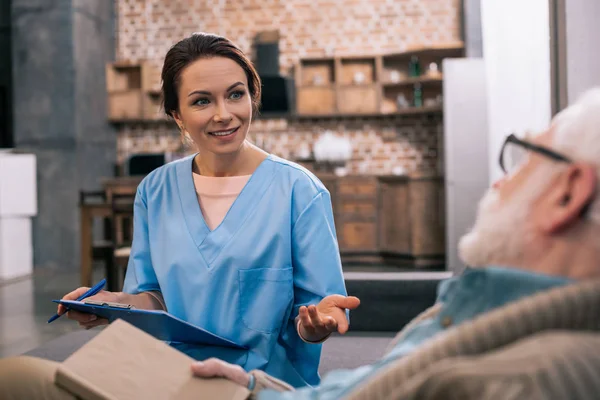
512	138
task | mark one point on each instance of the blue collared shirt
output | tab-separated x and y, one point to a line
463	297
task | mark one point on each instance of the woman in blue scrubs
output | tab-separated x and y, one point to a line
266	273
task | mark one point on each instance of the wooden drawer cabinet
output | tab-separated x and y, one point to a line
394	217
358	209
412	219
427	217
389	219
358	236
357	186
356	213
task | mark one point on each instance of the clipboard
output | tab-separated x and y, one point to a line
157	323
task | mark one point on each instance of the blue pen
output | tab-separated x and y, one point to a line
97	287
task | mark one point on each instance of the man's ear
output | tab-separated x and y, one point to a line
565	201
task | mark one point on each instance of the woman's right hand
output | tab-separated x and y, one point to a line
86	320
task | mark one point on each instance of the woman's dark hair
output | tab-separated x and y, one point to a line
203	45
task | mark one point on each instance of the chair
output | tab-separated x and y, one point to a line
122	234
101	248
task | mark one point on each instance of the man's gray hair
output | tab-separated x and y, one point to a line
577	135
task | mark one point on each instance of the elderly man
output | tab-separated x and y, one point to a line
517	326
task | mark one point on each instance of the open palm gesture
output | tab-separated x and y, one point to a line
317	322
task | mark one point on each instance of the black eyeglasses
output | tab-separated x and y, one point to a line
514	151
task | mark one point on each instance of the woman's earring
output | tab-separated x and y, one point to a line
183	131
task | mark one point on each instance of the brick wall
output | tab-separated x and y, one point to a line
147	28
379	145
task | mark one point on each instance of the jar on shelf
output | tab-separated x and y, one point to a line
414	67
417	95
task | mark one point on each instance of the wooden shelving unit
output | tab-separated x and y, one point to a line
342	87
326	88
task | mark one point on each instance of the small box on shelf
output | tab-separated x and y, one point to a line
121	77
316	100
358	71
125	105
316	72
358	99
133	90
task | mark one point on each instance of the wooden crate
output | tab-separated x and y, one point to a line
316	100
359	99
123	77
315	72
126	105
363	66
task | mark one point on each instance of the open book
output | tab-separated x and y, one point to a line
123	362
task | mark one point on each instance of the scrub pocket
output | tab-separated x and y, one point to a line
265	297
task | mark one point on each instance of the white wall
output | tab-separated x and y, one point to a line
465	149
582	20
516	48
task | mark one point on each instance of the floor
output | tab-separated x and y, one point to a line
25	306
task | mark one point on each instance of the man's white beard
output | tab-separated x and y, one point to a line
501	231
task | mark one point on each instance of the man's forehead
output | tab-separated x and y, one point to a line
543	138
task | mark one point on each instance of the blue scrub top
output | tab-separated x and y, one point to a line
275	250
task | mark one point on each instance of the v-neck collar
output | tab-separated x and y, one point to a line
210	243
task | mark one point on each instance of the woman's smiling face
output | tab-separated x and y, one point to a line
215	107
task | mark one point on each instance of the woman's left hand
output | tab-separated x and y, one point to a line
317	322
215	368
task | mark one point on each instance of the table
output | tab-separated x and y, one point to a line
126	185
87	214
